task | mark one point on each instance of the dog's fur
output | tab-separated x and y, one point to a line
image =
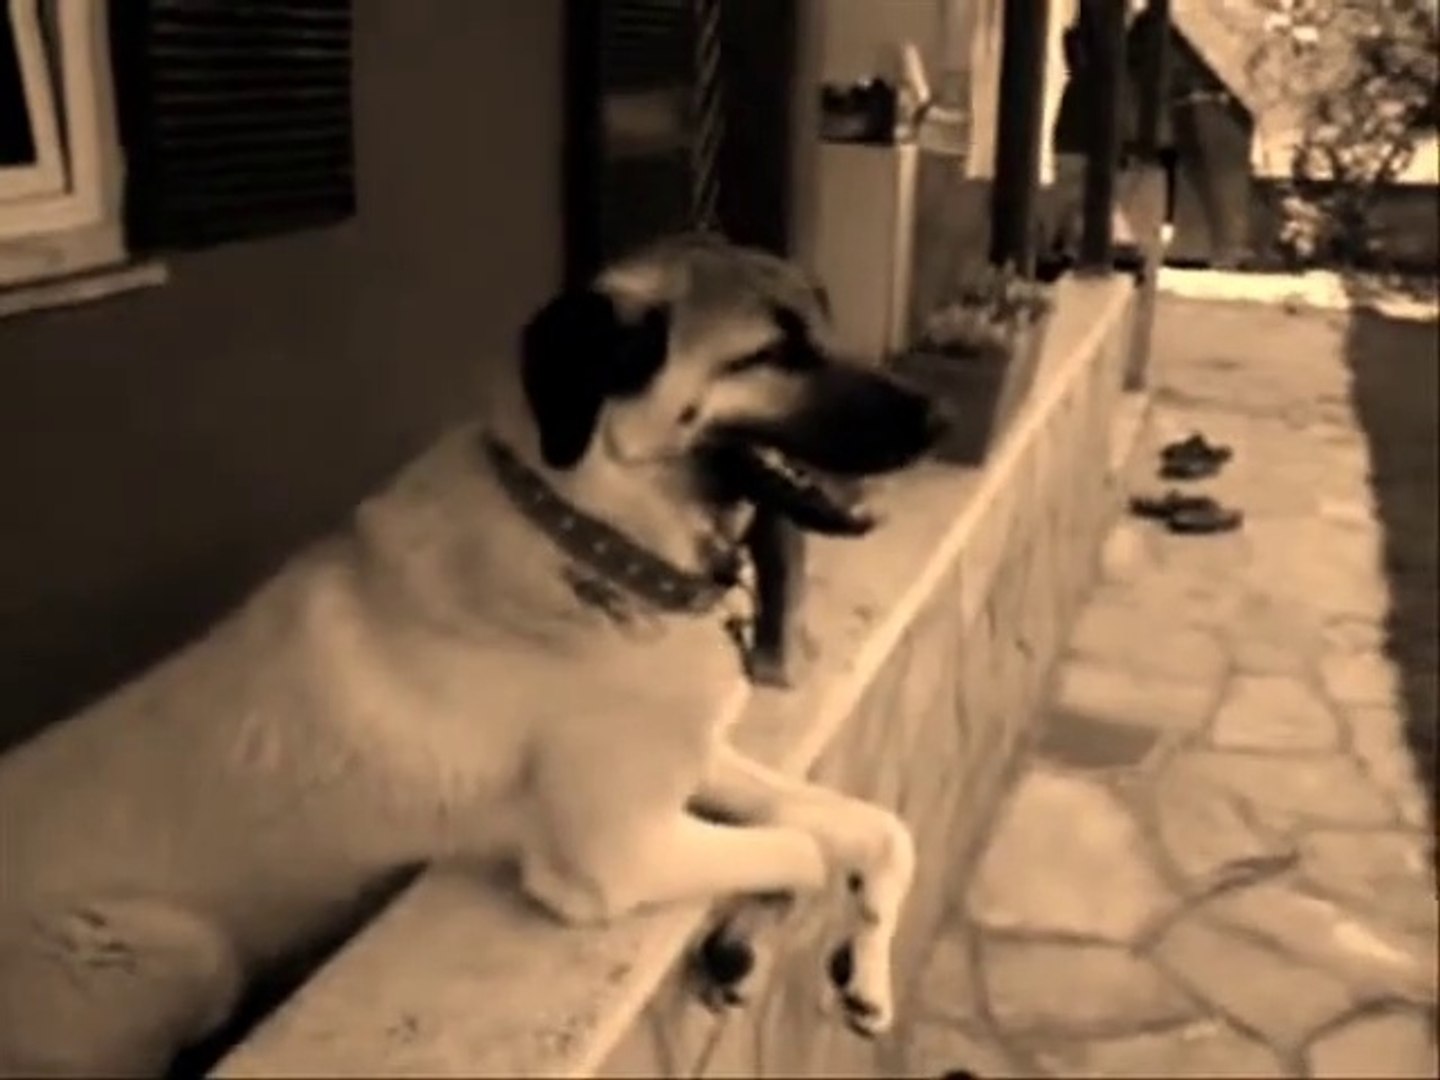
427	683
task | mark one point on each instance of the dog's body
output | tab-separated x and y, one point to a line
439	680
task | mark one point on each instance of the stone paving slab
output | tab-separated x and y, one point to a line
1218	861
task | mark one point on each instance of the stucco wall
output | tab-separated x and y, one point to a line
164	449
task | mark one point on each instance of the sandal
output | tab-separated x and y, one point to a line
1164	507
1193	458
1196	445
1189	468
1190	514
1205	520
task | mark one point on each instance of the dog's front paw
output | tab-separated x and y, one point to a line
731	960
862	990
724	966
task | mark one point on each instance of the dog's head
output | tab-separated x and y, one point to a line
712	359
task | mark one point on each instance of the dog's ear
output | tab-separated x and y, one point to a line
575	352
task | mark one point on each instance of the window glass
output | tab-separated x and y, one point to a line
17	139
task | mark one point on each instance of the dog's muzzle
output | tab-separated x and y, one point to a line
849	424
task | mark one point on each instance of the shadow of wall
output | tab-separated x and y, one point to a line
1396	394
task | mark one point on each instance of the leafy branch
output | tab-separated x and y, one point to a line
1362	77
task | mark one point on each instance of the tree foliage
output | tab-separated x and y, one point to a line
1361	78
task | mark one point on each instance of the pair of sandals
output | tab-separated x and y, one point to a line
1192	458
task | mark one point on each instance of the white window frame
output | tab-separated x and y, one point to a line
55	225
46	176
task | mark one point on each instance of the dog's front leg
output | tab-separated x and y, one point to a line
598	850
870	845
672	859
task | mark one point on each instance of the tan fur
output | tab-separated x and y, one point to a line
421	684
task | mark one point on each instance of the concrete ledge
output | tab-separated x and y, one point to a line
937	636
82	288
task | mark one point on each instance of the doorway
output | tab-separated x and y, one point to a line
631	78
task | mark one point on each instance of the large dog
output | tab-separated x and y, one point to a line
514	648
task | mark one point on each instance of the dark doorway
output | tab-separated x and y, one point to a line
630	81
760	45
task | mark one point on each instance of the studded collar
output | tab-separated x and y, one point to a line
604	549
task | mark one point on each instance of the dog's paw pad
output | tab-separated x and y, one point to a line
858	1007
725	960
720	999
864	1012
725	967
842	966
863	1016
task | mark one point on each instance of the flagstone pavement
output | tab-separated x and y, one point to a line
1217	860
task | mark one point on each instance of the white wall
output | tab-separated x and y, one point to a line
843	40
857	38
857	35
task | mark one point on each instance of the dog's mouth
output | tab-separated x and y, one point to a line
809	466
814	500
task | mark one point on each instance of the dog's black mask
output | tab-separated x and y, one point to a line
575	353
849	420
845	420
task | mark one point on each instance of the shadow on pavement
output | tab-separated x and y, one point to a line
1395	365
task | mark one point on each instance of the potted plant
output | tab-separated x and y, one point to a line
977	356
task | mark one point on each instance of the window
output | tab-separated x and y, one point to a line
59	152
144	126
31	161
235	118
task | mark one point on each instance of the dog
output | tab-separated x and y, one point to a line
514	649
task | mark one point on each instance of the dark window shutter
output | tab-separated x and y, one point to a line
235	117
630	71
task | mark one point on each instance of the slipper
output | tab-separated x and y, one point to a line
1164	507
1193	458
1205	520
1190	468
1196	444
1191	514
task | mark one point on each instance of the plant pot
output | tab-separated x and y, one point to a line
983	389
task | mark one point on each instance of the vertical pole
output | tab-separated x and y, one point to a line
1159	168
1106	25
1154	88
1018	134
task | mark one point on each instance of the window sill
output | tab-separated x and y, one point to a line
80	286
